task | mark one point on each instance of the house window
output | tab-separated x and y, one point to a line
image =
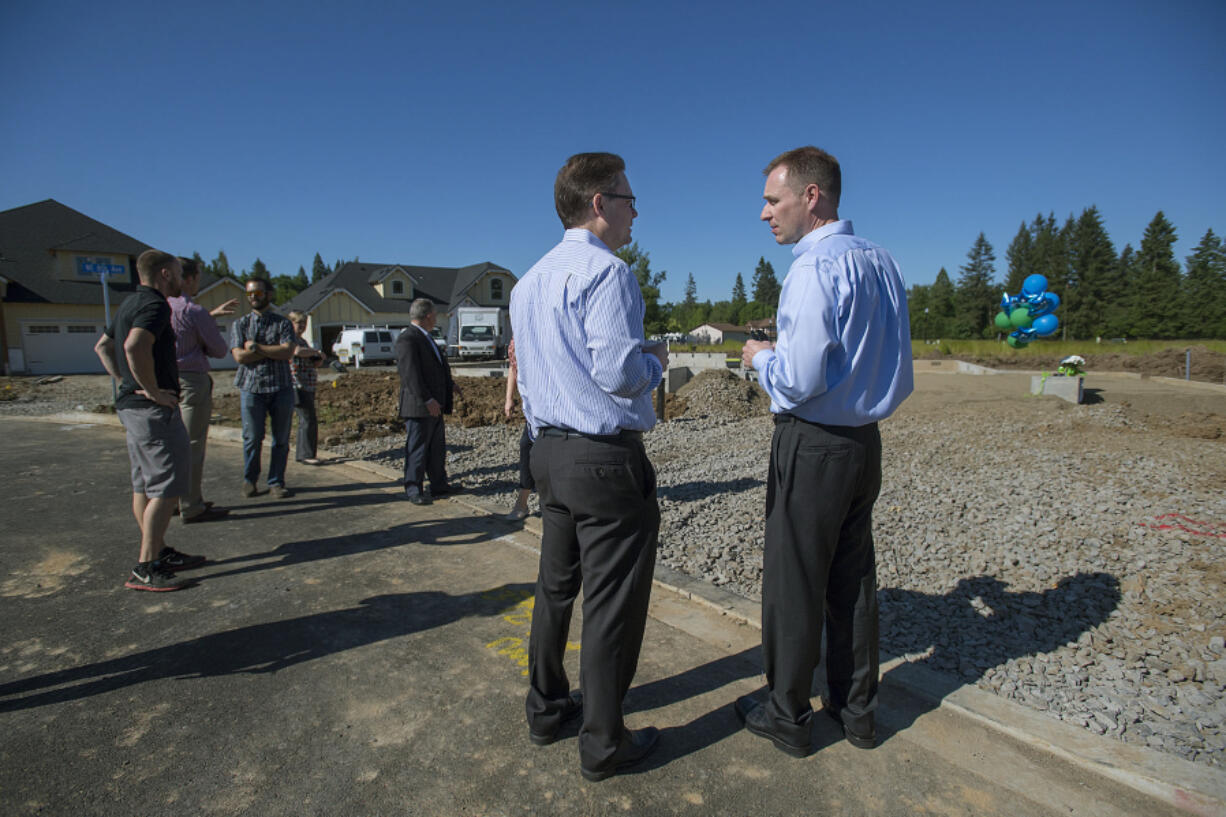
397	287
78	329
42	330
496	289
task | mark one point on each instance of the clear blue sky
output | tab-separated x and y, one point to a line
431	133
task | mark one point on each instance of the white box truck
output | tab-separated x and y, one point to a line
482	332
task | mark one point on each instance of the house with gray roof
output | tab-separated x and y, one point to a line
368	294
53	302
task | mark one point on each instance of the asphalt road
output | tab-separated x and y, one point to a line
346	653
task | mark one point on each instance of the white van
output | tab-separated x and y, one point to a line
362	345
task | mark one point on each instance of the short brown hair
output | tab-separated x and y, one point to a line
190	267
151	262
296	315
809	165
583	176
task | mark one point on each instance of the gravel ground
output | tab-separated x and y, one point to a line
1024	545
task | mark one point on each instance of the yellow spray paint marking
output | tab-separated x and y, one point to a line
515	647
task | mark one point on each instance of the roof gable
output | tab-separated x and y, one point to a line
30	236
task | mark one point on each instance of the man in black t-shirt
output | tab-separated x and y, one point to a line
148	407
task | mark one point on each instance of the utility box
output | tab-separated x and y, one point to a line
1066	388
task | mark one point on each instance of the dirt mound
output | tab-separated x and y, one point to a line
720	393
362	405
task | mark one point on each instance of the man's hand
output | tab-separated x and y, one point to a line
506	409
228	308
252	346
751	348
455	387
160	396
660	350
433	407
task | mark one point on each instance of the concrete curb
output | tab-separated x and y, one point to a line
1189	787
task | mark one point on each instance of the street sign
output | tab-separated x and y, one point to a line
99	266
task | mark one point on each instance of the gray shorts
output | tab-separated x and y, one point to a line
159	450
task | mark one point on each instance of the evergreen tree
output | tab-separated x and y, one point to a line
649	282
919	311
201	263
765	285
738	291
1204	294
691	291
1155	294
259	270
221	266
941	305
1093	272
1119	307
1019	255
976	300
318	268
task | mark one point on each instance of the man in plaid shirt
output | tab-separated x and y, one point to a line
262	344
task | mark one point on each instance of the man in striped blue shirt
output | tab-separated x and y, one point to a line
842	362
586	378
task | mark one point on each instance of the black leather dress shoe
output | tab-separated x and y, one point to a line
574	709
857	740
635	746
753	715
418	499
448	490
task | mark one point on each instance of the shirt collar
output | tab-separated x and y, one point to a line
154	291
585	235
825	231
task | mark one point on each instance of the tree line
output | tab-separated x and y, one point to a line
1142	293
285	287
690	313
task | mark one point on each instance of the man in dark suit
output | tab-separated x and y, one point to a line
425	396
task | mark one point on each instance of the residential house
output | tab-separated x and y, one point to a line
53	302
367	294
716	333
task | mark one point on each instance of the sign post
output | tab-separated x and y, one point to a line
102	270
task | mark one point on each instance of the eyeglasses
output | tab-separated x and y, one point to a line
621	196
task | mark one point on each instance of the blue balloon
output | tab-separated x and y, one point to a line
1034	284
1045	325
1053	301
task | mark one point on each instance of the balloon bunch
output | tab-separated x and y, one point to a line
1029	314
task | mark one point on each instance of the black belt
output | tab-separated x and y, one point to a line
784	417
624	435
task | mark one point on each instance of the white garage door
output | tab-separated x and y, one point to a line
65	347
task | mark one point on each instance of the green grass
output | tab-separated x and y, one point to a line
1059	348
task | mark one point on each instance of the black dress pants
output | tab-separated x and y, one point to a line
425	452
819	563
600	520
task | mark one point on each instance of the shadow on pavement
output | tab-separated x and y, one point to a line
265	648
423	532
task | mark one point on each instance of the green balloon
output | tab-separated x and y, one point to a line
1003	323
1016	343
1020	318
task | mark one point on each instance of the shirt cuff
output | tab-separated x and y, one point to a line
763	359
656	369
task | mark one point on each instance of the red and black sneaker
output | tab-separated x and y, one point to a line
151	576
172	560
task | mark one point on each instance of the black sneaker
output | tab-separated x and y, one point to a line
171	560
151	576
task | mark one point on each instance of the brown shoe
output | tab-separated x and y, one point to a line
279	492
249	489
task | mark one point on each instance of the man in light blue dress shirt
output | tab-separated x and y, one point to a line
842	362
586	378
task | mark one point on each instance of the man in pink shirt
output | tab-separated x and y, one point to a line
197	338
